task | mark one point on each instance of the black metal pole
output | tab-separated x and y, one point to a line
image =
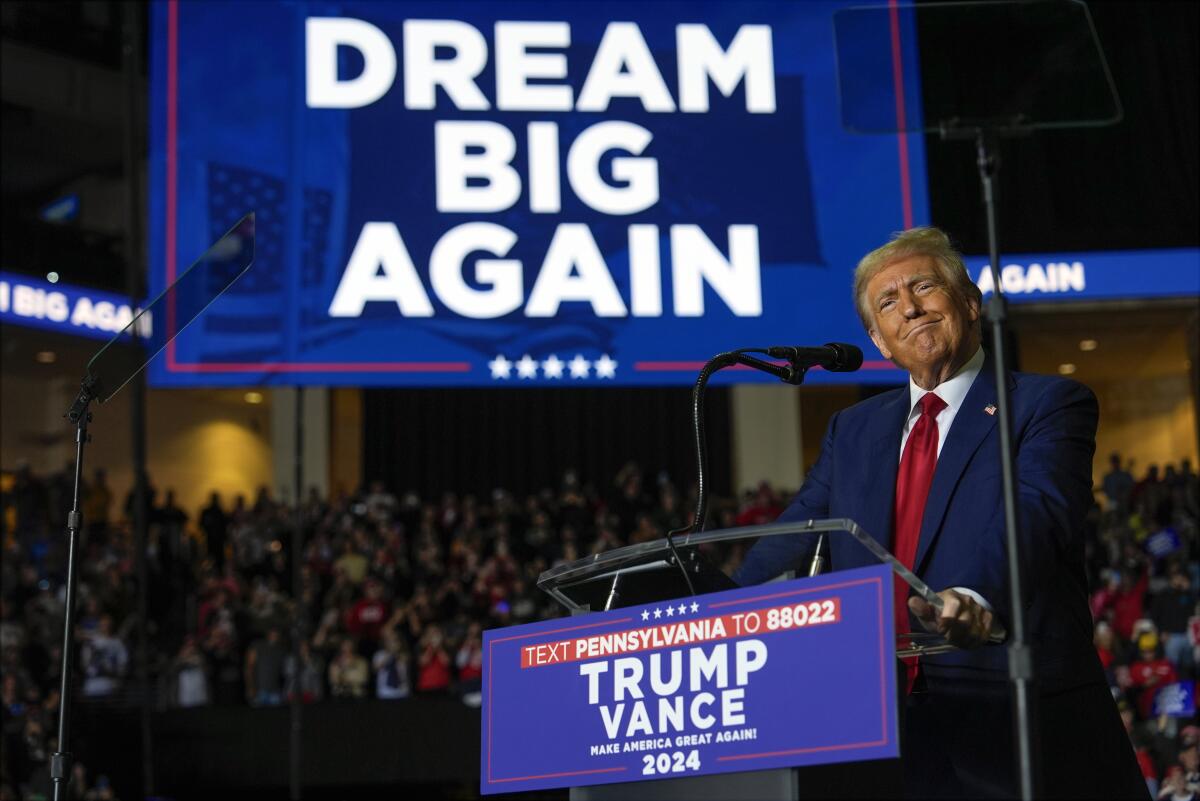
700	439
60	760
131	32
298	627
1020	656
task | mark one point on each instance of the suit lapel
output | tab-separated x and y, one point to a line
882	464
967	432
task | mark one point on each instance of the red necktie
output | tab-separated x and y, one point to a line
912	489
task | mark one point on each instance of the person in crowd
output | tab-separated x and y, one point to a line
1150	495
352	563
172	521
1123	600
1172	610
380	504
264	504
348	672
264	669
148	500
631	500
1175	787
97	501
188	677
311	677
1151	671
220	647
433	663
391	666
469	660
104	660
59	495
1117	485
215	524
368	615
1108	647
28	503
759	508
1189	757
217	613
266	609
1188	497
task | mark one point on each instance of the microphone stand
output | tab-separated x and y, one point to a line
102	380
791	373
60	760
1020	656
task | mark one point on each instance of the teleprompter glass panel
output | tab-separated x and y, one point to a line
197	287
981	64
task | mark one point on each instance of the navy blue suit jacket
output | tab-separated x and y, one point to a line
962	540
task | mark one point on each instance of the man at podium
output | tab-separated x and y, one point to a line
919	469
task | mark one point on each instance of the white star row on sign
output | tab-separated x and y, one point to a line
680	610
552	367
527	367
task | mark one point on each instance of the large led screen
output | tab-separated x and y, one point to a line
552	193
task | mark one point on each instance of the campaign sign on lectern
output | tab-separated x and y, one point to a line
785	674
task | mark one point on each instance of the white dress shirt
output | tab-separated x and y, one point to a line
953	391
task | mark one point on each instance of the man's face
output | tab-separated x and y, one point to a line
918	323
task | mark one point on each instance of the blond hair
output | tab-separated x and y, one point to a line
925	241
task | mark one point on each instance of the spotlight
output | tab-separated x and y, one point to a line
254	397
46	357
1088	345
52	277
1066	369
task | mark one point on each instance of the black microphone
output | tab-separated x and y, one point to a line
837	357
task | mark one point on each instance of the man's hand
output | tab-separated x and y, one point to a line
963	621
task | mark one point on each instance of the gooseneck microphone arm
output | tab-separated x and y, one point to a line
835	356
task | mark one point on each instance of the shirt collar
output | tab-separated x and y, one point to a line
954	389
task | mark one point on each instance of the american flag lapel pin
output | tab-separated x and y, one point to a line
990	408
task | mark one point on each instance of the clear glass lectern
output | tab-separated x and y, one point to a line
647	572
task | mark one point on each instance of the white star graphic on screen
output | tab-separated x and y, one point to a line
682	608
670	611
645	614
695	607
605	367
553	367
501	367
579	367
527	367
657	614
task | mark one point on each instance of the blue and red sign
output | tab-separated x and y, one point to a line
788	674
516	194
1177	700
67	309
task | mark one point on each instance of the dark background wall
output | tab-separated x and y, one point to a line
373	747
522	440
1127	186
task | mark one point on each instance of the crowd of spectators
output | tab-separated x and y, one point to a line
1143	558
395	591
